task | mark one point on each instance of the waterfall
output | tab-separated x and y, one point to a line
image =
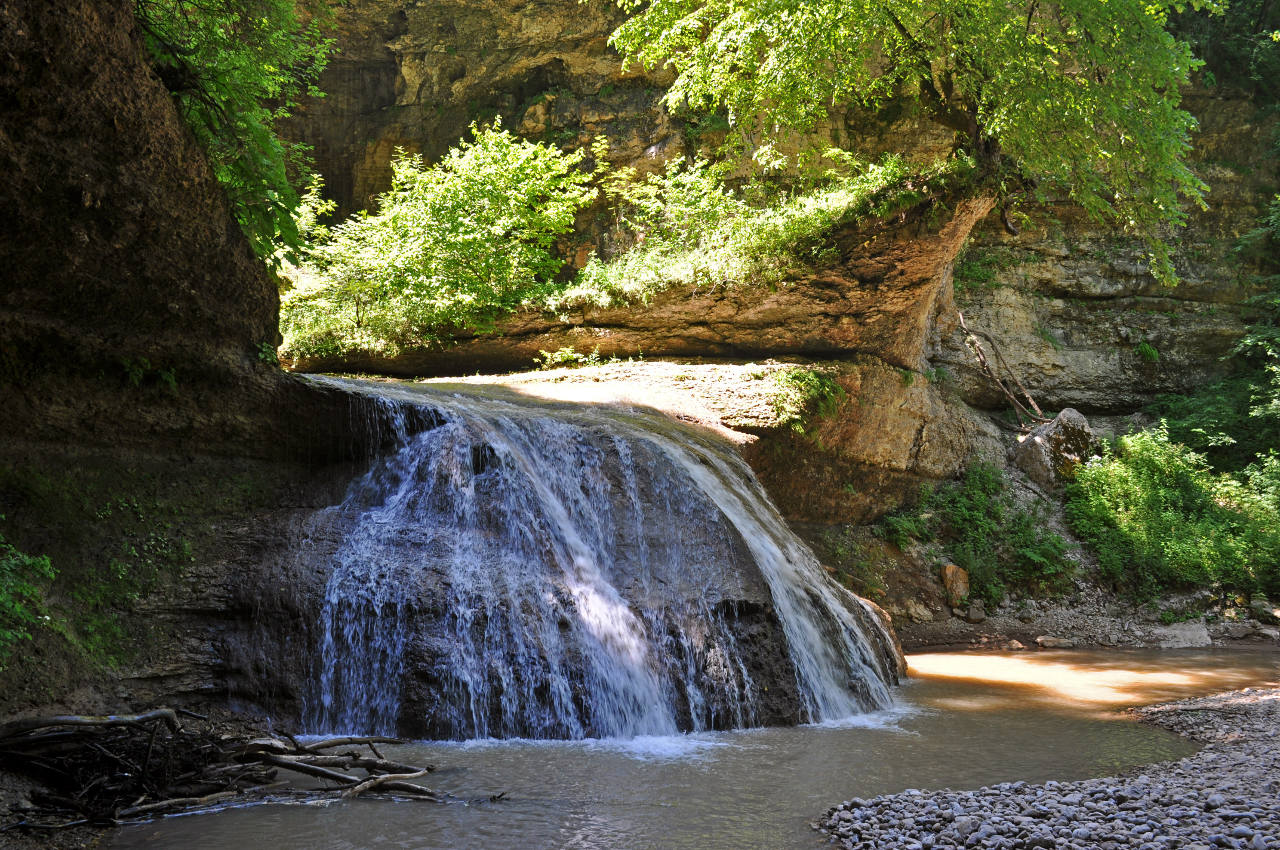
530	569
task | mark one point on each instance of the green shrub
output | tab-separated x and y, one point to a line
21	599
1160	519
801	394
1001	546
452	246
711	240
567	357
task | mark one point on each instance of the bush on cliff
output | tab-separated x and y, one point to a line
21	599
235	68
452	246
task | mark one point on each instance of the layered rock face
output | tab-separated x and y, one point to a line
415	75
1076	314
141	430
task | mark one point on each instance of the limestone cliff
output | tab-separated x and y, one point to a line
1068	303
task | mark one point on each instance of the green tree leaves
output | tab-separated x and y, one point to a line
1074	96
235	68
452	246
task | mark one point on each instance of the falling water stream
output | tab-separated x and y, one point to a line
538	570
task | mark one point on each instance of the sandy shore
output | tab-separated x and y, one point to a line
1225	796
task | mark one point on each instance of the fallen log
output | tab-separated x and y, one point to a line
30	724
399	779
177	803
330	743
310	769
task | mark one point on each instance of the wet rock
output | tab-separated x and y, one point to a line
1236	631
1265	611
1051	642
1051	452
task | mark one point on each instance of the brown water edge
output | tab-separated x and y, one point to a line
966	719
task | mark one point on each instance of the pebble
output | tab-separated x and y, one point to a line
1225	796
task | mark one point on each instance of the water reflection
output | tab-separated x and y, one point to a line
1104	680
965	720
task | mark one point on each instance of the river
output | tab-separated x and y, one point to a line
962	720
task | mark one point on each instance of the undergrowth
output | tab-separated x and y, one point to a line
801	395
977	523
1160	519
23	579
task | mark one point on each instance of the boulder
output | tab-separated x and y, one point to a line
1051	642
955	580
1050	454
1183	635
1262	610
976	612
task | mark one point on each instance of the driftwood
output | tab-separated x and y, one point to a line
100	770
385	779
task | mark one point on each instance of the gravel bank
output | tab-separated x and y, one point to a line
1225	796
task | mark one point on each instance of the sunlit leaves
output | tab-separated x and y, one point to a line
1079	96
452	246
234	68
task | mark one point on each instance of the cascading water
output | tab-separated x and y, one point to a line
534	570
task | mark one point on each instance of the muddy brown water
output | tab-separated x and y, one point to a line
963	720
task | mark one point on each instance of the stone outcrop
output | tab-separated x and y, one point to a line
888	295
1050	453
415	75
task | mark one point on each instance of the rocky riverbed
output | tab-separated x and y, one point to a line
1225	796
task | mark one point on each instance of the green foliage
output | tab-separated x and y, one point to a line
1236	421
452	246
741	244
1160	519
22	607
1079	96
1001	546
1240	47
110	552
235	68
803	394
148	550
1147	352
977	268
567	356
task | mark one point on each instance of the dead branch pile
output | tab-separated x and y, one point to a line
127	768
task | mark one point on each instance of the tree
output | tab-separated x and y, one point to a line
1073	96
235	68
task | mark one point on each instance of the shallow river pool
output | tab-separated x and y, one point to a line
963	720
